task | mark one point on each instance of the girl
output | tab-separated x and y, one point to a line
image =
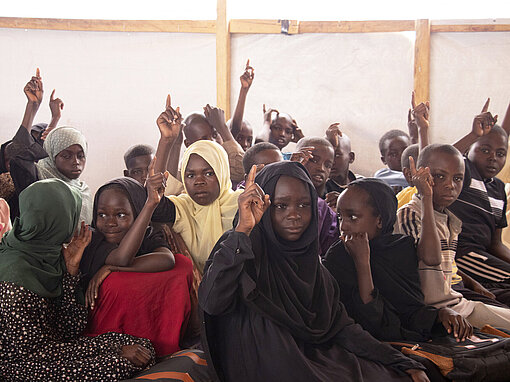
124	241
271	310
40	316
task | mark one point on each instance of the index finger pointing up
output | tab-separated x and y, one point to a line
152	165
38	73
168	102
251	176
413	100
486	106
52	94
247	63
412	166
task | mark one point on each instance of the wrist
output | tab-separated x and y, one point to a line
362	261
244	230
73	270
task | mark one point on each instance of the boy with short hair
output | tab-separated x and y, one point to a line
427	219
391	146
137	160
241	129
280	129
320	164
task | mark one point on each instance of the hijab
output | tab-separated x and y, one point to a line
286	282
30	254
57	140
202	226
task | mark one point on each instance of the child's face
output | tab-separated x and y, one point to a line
393	149
245	137
200	130
291	208
138	168
266	157
281	132
343	158
114	215
319	166
200	181
355	214
71	161
447	171
488	154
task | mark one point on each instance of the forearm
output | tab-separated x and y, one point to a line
429	246
125	253
365	282
172	164
237	119
53	122
465	142
501	251
466	280
423	137
28	117
162	154
158	261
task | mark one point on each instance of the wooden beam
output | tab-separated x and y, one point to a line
176	26
356	26
246	26
222	59
471	28
422	61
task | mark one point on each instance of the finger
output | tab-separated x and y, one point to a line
455	325
486	106
412	166
247	64
495	118
409	116
52	94
264	108
413	100
61	105
38	73
151	166
251	176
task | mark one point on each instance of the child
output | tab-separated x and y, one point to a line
482	206
377	271
405	196
320	164
279	130
391	146
40	297
137	160
261	154
128	262
435	229
271	310
241	129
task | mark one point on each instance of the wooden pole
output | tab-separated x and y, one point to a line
222	58
422	61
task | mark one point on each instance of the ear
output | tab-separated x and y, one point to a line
186	143
407	175
384	161
126	173
379	222
352	156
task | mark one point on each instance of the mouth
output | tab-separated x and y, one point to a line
294	230
281	141
491	169
77	171
318	178
201	194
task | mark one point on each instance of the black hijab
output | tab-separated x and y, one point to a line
286	282
394	265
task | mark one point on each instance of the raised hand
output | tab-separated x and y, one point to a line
268	117
253	202
333	134
215	116
169	121
483	123
248	76
94	284
303	155
297	133
331	199
420	113
421	178
155	184
34	89
56	105
357	246
74	250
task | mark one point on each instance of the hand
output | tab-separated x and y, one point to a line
136	354
155	184
253	202
417	375
248	76
169	122
357	246
268	118
94	284
297	133
303	155
216	117
420	113
455	323
333	133
56	106
34	89
483	123
478	288
421	178
331	199
74	250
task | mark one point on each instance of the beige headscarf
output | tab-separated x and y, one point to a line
57	140
202	226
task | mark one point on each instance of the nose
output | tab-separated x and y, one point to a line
199	179
111	221
76	160
492	155
450	184
293	213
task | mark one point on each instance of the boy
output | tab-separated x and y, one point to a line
320	164
391	146
405	196
427	219
241	129
482	206
137	160
279	130
261	153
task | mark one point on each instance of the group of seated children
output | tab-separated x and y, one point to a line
292	267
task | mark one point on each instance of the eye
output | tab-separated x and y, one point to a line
280	206
484	151
328	165
101	215
81	156
210	173
458	179
304	205
288	131
501	154
66	156
438	176
189	176
353	217
121	215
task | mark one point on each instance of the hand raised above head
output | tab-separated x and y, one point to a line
420	113
155	184
268	114
303	155
333	134
215	116
253	202
248	76
169	121
34	89
421	178
483	122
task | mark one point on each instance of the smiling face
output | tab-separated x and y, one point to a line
281	131
138	168
356	215
393	149
291	208
71	161
319	166
114	215
447	171
200	181
488	154
245	136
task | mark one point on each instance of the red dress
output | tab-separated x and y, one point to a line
155	306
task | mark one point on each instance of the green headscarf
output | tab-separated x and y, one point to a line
30	254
